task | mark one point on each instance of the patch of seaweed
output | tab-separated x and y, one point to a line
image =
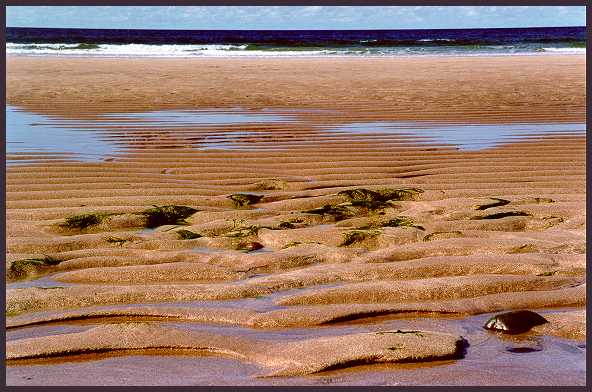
547	273
398	331
291	244
273	184
399	221
552	221
399	194
543	200
402	221
85	221
498	203
526	248
244	199
445	234
381	195
338	212
371	205
117	240
167	215
354	236
365	198
243	231
296	243
187	235
19	268
360	194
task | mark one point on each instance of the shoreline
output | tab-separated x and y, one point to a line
270	56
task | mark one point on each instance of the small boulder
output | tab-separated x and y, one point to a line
515	322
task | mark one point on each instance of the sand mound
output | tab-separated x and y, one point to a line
170	272
287	359
569	325
428	289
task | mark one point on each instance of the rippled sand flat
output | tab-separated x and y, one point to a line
396	205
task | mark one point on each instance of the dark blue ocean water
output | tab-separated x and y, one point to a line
294	42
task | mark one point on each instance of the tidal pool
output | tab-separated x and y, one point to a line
470	137
31	137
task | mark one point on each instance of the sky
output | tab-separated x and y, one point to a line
301	17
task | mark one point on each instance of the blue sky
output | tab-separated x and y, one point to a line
301	17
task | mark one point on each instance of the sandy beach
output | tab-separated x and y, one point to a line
363	257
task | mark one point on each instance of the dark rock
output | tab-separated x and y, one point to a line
515	322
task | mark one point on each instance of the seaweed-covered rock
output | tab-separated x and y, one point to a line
372	205
440	235
399	194
117	240
401	221
84	221
338	212
187	235
361	194
273	184
515	322
243	231
19	269
244	199
167	215
398	221
354	236
381	195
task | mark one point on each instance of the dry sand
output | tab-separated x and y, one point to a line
115	275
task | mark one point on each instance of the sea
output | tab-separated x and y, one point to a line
294	43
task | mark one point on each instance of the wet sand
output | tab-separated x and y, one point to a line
391	291
464	89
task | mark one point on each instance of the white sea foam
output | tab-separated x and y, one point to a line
220	50
434	40
141	50
566	50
